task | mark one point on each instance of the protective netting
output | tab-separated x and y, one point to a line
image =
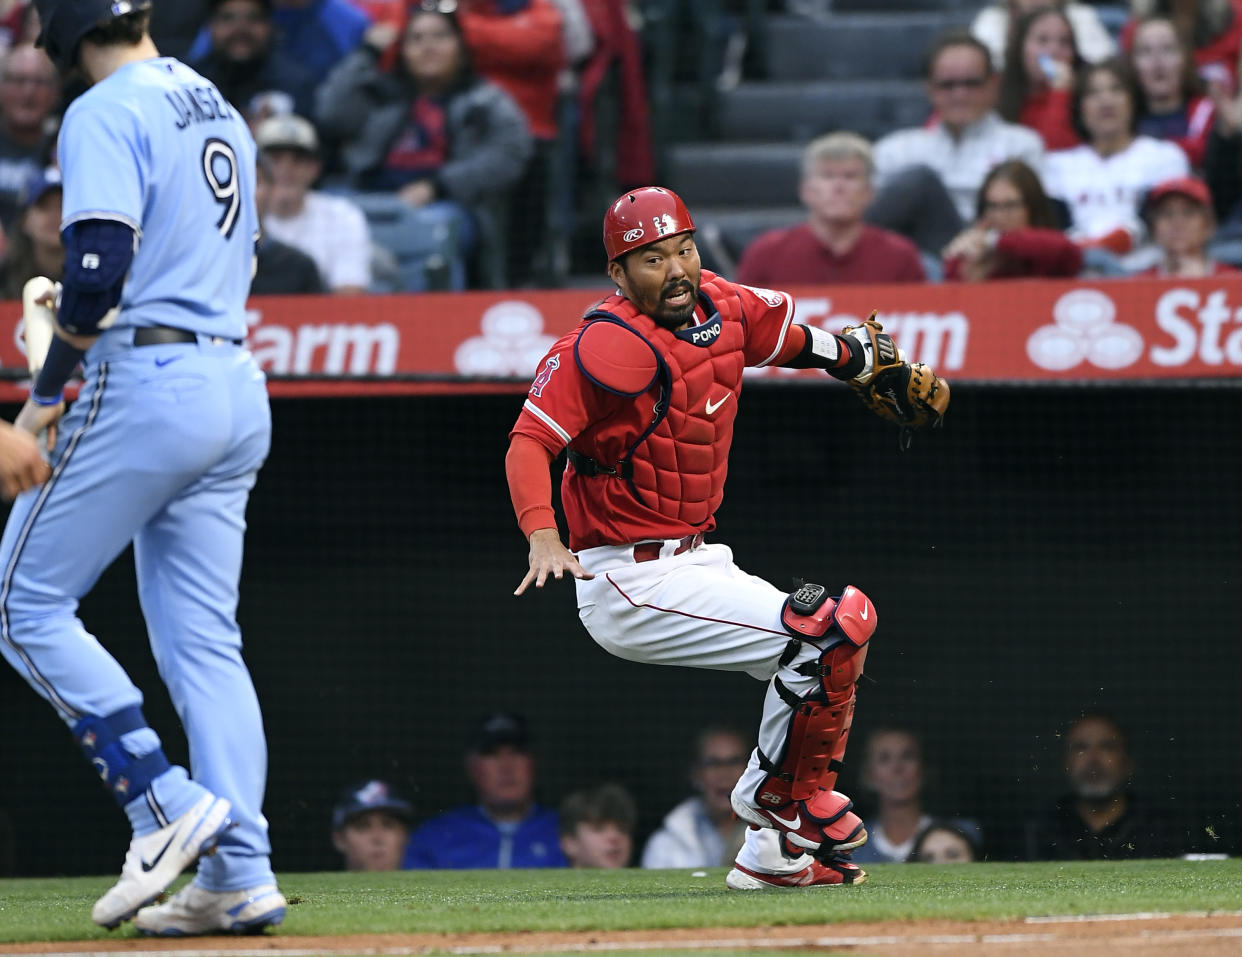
1052	550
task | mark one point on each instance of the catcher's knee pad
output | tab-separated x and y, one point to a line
820	725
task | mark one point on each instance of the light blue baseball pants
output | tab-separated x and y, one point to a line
161	448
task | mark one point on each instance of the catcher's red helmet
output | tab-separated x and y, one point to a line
644	216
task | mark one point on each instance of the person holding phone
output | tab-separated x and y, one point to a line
1040	64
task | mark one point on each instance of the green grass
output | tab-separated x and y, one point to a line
460	901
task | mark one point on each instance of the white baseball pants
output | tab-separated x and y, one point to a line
699	610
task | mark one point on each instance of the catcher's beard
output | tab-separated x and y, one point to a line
670	317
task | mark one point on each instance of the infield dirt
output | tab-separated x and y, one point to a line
1207	935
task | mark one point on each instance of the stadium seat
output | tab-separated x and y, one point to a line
844	47
966	8
724	174
430	244
800	111
723	233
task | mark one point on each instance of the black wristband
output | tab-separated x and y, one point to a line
811	358
854	364
61	360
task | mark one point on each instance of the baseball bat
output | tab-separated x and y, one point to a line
39	321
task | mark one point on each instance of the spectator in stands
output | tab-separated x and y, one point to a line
834	245
281	270
1014	233
1171	104
256	78
29	95
943	843
13	16
370	826
597	827
175	25
1101	818
519	45
330	229
952	153
1182	223
1222	161
34	244
1214	28
703	831
893	772
504	827
448	143
1039	72
317	34
1091	37
1103	181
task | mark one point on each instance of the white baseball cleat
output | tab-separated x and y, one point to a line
154	860
836	873
193	911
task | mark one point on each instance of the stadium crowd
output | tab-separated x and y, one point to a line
1098	817
412	145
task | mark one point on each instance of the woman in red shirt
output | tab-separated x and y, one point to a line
1040	63
1014	234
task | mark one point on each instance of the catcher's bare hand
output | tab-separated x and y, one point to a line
21	464
549	556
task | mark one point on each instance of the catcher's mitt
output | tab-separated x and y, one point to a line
910	395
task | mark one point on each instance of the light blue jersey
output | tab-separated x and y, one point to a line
130	148
161	450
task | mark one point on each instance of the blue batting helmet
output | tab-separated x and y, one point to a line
65	22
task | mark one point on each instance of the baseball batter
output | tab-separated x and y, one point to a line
644	393
161	449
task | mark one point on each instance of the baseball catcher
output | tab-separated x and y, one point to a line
643	394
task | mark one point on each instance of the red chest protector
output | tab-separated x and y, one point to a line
677	465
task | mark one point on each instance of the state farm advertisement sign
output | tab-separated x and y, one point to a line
1024	331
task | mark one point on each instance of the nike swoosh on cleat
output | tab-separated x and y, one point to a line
148	866
792	825
167	359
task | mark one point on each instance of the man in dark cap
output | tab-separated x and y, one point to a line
370	826
504	827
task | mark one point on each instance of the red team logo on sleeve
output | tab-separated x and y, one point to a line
553	363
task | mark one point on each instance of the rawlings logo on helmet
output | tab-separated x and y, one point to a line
632	235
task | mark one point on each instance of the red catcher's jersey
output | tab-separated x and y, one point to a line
679	467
